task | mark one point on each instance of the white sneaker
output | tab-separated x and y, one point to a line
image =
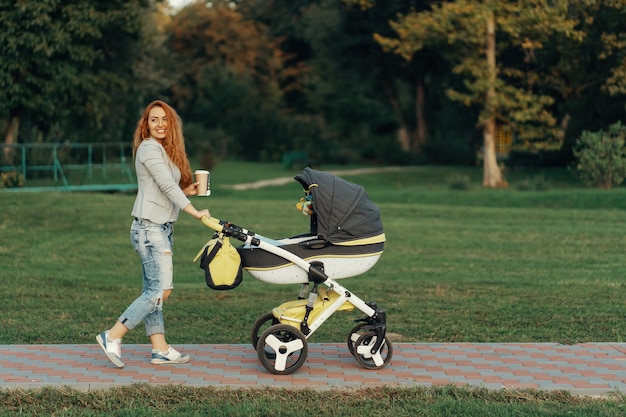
112	348
171	356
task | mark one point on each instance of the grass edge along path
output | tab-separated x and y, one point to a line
144	400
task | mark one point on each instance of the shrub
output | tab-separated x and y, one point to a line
459	182
538	183
11	179
601	156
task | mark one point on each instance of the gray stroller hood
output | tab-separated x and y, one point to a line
343	211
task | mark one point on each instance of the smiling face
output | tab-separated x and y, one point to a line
157	123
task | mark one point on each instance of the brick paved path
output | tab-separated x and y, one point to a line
587	369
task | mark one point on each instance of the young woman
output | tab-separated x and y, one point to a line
164	183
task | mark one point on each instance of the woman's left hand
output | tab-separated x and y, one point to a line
191	189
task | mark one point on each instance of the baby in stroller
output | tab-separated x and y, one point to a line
346	239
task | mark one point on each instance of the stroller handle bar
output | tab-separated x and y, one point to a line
231	230
228	229
212	223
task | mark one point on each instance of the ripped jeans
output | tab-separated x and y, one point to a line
153	242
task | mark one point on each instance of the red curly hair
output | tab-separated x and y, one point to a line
174	143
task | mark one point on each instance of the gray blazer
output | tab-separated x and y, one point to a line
159	197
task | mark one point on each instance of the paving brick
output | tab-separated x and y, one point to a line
589	368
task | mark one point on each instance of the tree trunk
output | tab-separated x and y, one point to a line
404	139
560	135
421	130
10	139
404	133
492	177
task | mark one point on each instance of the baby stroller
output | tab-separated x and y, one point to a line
346	239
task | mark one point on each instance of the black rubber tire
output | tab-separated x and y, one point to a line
282	349
369	361
263	323
354	335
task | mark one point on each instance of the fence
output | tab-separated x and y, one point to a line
504	141
67	167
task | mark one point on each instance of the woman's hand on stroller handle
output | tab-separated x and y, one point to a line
212	223
228	229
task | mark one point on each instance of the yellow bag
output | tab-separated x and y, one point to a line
221	263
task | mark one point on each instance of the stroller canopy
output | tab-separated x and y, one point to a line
343	211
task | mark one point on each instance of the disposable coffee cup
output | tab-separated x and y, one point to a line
203	178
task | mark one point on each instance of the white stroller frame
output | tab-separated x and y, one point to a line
282	348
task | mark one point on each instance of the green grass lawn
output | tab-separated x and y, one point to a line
179	401
541	261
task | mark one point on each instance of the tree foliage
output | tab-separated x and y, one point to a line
393	81
364	98
492	45
62	59
601	156
231	79
587	78
457	29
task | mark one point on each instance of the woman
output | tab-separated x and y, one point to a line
164	184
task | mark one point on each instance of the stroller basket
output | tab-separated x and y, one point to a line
293	312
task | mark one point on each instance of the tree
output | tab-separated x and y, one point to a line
364	99
60	60
587	78
231	74
475	36
377	92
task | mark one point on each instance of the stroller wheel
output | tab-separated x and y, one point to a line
354	335
365	357
262	324
282	349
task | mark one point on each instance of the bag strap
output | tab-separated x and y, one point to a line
207	256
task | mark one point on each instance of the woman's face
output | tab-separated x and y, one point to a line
157	123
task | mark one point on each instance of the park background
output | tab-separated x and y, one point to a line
540	260
486	83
